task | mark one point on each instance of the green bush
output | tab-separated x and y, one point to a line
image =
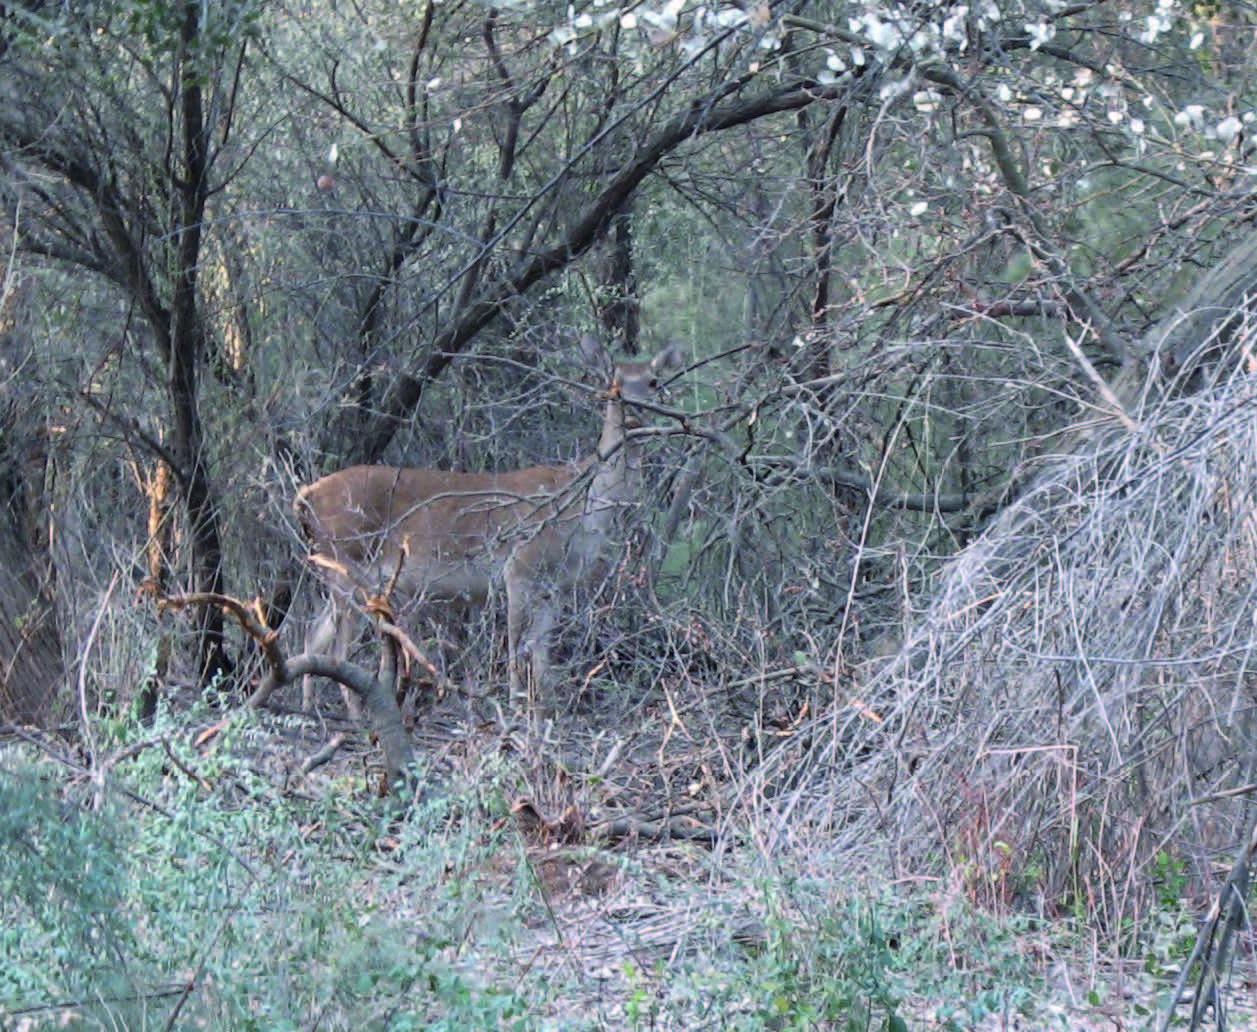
244	908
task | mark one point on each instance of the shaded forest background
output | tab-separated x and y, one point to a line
948	547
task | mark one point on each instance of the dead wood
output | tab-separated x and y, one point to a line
377	692
659	830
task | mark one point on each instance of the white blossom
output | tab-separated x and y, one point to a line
926	101
1154	25
893	89
1040	33
731	17
954	25
882	34
1228	128
925	39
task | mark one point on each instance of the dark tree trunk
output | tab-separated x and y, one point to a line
187	349
31	666
620	306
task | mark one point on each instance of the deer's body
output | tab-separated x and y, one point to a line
444	539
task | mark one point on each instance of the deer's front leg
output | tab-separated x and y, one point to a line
536	644
530	618
332	634
517	606
319	638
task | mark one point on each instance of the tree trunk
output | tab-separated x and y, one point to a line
187	348
157	488
619	305
31	666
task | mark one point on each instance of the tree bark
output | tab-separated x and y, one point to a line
587	229
31	665
620	308
187	349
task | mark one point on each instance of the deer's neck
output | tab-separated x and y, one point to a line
617	466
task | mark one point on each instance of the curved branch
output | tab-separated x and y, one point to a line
699	119
376	692
1117	348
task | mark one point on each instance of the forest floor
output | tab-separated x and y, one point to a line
641	896
595	870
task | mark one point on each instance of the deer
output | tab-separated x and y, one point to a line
443	540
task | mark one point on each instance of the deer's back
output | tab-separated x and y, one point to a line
457	527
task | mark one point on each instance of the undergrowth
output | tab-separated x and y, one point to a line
195	886
184	889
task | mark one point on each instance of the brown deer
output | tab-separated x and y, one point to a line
443	539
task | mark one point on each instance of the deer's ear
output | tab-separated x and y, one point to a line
668	358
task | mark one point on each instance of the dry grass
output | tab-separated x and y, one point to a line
1070	725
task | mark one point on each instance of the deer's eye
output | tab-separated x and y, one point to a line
654	383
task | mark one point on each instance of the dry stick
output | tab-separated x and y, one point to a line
807	672
97	772
377	692
1229	793
195	980
323	755
686	828
1100	384
1216	940
252	620
83	1002
411	651
190	774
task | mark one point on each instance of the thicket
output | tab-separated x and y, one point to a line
943	572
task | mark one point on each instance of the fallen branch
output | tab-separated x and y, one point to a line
79	1003
323	755
251	617
1216	942
411	651
377	692
662	830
